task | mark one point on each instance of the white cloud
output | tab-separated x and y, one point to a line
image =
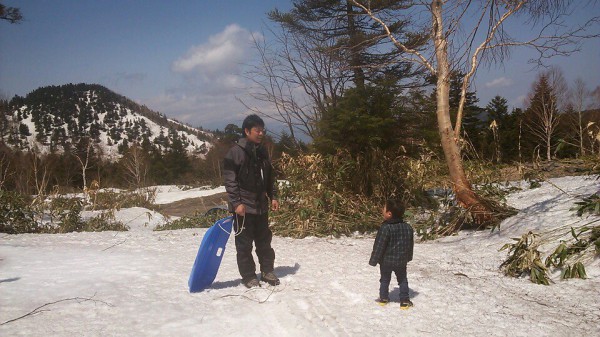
521	101
499	83
223	53
200	109
212	81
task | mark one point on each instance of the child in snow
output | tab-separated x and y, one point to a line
393	249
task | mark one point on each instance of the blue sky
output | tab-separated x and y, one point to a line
184	58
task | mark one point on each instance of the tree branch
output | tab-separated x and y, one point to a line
420	58
39	309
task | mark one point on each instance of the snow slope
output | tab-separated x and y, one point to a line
135	284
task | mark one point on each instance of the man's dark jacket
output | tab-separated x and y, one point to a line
249	177
393	245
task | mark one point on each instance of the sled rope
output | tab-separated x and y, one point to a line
240	229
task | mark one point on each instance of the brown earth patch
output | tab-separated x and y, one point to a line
192	206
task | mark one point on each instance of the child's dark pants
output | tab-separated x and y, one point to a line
386	278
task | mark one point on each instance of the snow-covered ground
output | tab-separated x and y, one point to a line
135	283
172	193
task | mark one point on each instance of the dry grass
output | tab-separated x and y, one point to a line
343	193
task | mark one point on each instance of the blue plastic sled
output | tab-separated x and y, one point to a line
210	255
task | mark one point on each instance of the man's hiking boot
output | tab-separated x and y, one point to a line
382	301
405	304
251	282
270	278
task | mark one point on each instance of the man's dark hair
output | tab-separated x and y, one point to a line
252	121
396	207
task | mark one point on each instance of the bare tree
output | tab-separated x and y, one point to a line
5	170
83	157
465	34
545	108
300	80
135	164
579	97
38	177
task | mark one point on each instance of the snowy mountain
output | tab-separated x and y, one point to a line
56	118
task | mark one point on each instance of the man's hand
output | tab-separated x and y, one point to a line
274	205
240	210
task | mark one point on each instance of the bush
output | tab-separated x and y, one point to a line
58	215
103	223
16	215
65	215
589	204
124	199
343	193
524	258
568	257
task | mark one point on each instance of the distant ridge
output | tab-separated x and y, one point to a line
56	118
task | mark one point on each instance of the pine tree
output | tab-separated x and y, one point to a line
416	115
359	43
495	135
24	130
10	14
365	114
497	109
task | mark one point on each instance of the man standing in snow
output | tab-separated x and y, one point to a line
250	185
393	249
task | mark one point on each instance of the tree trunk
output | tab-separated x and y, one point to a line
354	47
548	148
581	148
460	184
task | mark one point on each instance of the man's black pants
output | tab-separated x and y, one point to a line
255	229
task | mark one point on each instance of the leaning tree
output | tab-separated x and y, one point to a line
465	34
